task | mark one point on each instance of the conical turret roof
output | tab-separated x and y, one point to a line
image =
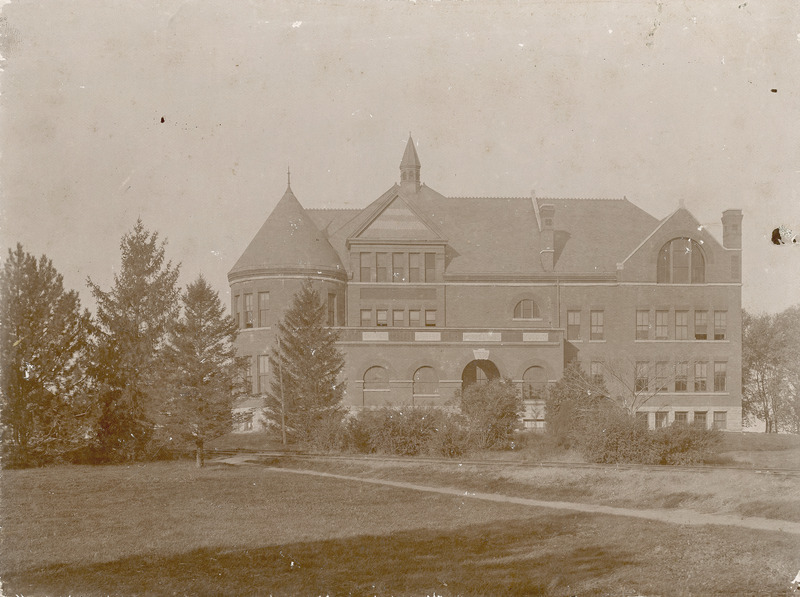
410	157
288	242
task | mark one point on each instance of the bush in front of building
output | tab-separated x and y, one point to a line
491	411
407	431
616	437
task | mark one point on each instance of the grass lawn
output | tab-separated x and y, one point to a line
716	491
168	528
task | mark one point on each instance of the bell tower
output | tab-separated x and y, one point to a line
409	169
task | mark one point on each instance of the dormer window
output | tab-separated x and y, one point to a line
526	309
681	261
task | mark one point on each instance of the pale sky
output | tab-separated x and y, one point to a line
661	102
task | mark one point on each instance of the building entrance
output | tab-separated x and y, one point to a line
480	372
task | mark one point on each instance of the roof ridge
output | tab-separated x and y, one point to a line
487	197
583	198
333	208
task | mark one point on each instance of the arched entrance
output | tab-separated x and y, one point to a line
479	371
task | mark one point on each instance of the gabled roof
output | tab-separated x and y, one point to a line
288	240
395	217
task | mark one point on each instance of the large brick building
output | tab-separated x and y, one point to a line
430	293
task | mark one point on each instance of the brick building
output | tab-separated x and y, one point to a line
431	293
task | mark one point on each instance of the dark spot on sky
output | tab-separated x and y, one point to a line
162	120
776	237
774	90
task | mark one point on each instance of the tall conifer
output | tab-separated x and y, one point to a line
307	359
134	318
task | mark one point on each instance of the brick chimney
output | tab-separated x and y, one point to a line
547	212
732	228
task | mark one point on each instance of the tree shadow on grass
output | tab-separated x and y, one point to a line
517	557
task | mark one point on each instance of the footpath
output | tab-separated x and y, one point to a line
672	516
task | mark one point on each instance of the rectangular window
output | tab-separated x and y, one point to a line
367	261
383	267
681	377
720	377
720	325
661	419
681	325
413	268
398	319
248	375
662	325
331	309
414	318
248	311
398	267
366	317
661	377
430	267
263	309
596	371
720	419
236	310
641	382
430	318
263	373
681	417
573	325
597	325
700	325
700	418
700	375
382	317
642	325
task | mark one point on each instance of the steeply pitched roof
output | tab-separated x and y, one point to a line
410	158
288	240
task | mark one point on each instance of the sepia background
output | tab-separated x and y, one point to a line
666	103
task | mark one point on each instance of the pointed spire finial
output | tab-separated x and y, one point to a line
288	176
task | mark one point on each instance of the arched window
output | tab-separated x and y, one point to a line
426	382
526	309
534	382
376	379
681	261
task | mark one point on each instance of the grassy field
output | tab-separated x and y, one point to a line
168	528
720	491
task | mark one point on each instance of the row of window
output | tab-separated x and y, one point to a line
397	267
252	318
680	325
260	319
663	376
661	330
414	317
700	418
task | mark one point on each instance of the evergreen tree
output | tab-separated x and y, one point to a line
307	359
206	373
573	402
43	340
134	318
492	412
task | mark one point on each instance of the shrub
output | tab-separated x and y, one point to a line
492	413
406	431
614	436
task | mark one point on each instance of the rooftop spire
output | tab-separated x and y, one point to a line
288	177
409	168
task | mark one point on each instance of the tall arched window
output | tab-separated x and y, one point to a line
681	261
526	309
426	382
376	381
534	382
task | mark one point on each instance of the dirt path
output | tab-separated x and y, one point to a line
674	516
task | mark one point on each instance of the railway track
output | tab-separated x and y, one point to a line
290	455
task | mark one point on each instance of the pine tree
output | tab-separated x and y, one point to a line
206	373
134	318
307	359
43	340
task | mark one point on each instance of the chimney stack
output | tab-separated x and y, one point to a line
547	212
732	228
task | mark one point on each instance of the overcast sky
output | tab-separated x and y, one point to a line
661	102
